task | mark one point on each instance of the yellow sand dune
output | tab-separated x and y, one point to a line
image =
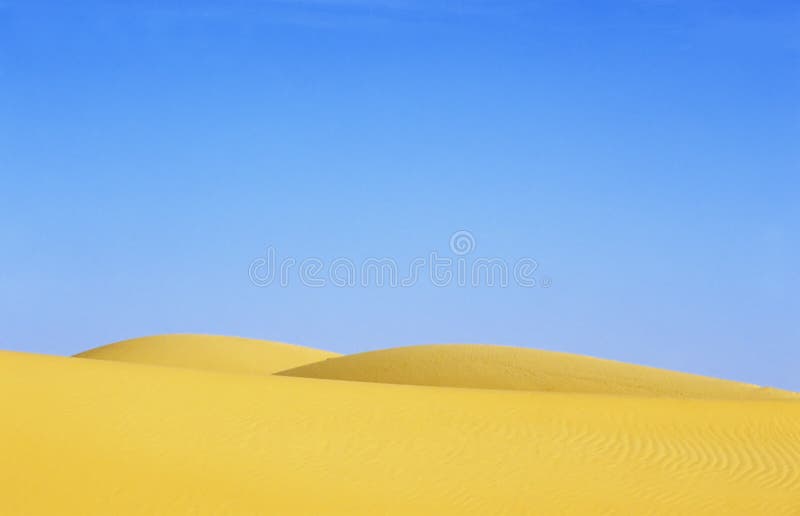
210	352
504	367
116	437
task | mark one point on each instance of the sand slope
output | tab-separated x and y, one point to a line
504	367
102	437
210	352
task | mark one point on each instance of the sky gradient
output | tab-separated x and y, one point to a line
644	153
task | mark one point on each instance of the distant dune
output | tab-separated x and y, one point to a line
503	367
202	425
211	352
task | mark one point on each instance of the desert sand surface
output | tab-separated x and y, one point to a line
178	428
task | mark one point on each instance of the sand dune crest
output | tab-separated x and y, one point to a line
210	352
504	367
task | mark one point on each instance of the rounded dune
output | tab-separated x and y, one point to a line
210	352
523	369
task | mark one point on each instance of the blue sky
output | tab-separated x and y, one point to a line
644	153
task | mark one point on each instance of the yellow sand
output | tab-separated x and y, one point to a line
103	437
210	352
503	367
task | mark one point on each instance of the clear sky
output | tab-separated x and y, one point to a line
644	153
